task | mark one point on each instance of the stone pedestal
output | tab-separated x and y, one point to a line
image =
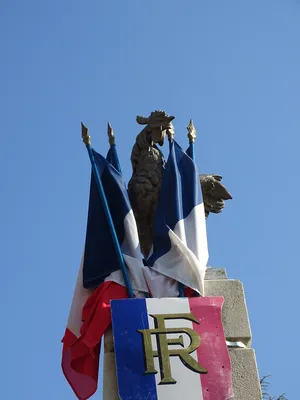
245	379
110	385
246	385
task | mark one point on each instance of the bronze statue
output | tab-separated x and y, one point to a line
214	193
147	170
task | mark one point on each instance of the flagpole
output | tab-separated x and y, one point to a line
112	142
170	133
192	137
87	141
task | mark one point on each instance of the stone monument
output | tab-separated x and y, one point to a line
148	165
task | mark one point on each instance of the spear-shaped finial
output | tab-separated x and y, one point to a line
85	135
110	133
191	131
170	132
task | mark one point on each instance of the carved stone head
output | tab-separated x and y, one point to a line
158	123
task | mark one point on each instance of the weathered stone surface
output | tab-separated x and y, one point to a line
235	316
110	385
108	341
215	273
246	385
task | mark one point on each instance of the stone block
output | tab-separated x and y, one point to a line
215	273
108	341
234	314
110	384
246	384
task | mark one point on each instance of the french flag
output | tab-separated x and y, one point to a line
100	259
179	248
199	314
113	158
100	279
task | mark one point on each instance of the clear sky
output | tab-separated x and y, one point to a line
231	65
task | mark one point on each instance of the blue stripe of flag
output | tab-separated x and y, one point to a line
113	159
128	316
180	193
100	258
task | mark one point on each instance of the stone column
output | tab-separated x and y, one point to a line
245	379
110	384
246	385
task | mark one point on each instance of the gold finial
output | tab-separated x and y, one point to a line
191	132
170	132
85	135
111	135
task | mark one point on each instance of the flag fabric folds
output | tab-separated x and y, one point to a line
189	150
179	254
89	318
179	248
113	159
100	278
100	258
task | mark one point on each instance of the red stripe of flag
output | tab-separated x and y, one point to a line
80	357
212	352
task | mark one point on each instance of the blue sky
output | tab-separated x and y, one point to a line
231	65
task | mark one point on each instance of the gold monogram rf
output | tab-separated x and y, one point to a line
163	351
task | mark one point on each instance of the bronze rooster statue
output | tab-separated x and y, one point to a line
147	171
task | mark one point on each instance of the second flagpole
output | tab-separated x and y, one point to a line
87	141
192	137
170	133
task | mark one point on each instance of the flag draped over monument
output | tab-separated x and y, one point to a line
171	349
100	279
179	248
88	320
100	258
